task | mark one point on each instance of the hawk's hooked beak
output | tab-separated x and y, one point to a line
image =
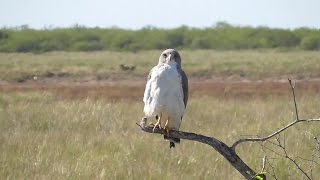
169	57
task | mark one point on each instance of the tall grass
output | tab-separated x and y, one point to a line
44	137
200	63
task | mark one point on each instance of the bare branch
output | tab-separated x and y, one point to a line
318	143
292	85
218	145
291	159
273	174
264	148
263	163
309	120
309	160
269	136
266	161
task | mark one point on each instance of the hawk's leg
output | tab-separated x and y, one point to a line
143	121
166	129
151	123
158	123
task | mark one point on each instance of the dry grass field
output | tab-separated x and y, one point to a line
76	120
248	64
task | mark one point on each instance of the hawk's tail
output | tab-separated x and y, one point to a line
172	140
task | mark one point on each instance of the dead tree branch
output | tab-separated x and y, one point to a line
227	152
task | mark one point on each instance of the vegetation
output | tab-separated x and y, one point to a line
250	64
220	36
43	137
57	134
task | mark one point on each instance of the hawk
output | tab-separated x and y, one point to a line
166	93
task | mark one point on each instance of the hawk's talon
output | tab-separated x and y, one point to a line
166	129
157	125
143	121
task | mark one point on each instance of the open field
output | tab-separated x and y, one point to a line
45	137
77	119
82	66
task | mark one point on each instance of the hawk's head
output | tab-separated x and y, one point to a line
170	55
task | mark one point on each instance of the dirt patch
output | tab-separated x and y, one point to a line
134	89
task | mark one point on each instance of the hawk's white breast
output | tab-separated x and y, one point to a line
163	93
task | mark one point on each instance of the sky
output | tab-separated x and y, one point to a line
135	14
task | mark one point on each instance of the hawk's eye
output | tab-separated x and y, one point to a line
165	55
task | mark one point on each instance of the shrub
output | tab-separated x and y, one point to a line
87	46
311	42
220	36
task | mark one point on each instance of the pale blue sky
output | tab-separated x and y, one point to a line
135	14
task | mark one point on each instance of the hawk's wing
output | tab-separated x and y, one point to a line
185	88
147	91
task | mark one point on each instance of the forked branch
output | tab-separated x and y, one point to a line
271	135
292	85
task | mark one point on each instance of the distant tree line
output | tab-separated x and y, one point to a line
221	36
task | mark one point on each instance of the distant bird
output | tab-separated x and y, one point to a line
166	93
126	68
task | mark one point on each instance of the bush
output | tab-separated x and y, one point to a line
3	35
87	46
220	36
311	42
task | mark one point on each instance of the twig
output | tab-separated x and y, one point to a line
267	161
263	163
273	134
273	172
292	85
218	145
315	155
264	148
318	143
309	160
291	159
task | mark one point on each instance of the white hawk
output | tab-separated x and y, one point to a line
166	93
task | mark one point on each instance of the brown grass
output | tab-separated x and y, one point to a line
44	136
79	123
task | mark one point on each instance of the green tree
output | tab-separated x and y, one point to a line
311	42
